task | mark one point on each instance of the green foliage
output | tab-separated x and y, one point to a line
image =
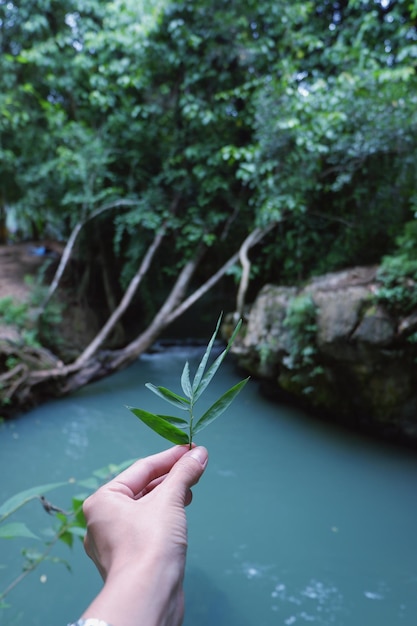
20	499
179	430
397	274
301	322
65	526
215	117
266	350
16	529
34	330
13	312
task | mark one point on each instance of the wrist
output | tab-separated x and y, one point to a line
147	592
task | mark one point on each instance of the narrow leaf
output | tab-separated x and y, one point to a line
203	363
213	369
19	499
16	529
67	538
89	483
161	426
185	381
108	471
219	406
177	421
169	396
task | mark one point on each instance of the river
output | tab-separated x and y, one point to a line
294	522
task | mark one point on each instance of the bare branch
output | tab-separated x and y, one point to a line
125	301
58	379
163	317
66	255
252	239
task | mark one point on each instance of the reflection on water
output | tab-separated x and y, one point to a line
294	522
318	602
76	434
314	601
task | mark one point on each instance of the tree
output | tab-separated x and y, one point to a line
336	145
170	142
178	98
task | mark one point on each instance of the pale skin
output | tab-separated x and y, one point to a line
137	538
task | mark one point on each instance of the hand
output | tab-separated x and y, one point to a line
137	537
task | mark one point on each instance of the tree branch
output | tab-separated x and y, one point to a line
66	255
253	238
124	303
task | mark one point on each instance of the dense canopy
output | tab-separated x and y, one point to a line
189	127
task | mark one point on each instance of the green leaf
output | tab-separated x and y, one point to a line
77	507
177	421
169	396
16	529
67	538
19	499
101	475
185	381
161	426
213	369
203	363
89	483
219	406
173	428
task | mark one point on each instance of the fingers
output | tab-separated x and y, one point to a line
185	473
136	478
150	487
155	483
188	497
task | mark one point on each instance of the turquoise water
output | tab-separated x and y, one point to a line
294	522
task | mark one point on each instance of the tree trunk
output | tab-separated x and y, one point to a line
66	255
41	375
255	237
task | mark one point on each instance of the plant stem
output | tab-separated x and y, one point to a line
191	422
30	567
19	506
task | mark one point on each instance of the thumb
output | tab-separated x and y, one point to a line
186	472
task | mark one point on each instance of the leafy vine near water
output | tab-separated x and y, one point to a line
397	274
34	330
65	526
179	430
302	325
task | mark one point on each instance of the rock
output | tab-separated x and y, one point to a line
376	327
266	341
331	345
338	317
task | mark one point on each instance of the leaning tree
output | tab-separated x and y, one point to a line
179	137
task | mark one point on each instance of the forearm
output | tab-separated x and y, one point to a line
148	594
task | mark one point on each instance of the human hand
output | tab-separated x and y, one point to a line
137	537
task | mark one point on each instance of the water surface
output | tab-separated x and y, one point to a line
294	522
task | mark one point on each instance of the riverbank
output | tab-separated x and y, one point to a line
293	522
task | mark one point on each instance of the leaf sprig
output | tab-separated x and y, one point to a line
180	430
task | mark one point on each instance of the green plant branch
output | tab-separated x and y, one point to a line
33	564
72	522
175	429
19	506
16	502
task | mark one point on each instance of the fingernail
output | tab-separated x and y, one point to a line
200	454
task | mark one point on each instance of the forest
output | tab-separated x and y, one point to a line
172	147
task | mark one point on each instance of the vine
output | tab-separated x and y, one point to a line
301	322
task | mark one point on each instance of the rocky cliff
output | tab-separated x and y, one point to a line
335	347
